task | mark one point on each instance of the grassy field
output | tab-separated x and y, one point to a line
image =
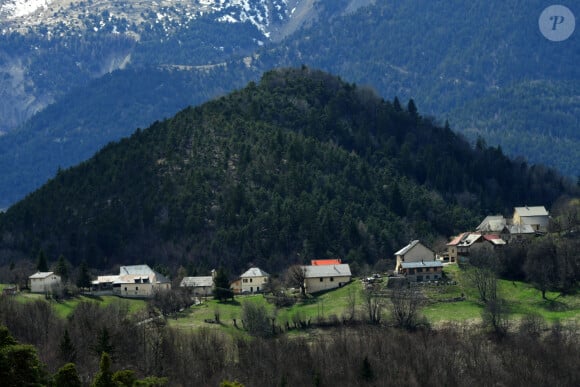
445	303
64	308
522	299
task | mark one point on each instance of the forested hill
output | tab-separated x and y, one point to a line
301	165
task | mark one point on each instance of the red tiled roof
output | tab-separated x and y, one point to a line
322	262
456	240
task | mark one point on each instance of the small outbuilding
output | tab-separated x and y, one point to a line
43	282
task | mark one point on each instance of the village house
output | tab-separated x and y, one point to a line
199	286
537	217
136	281
43	282
413	252
325	277
517	232
253	280
422	271
466	243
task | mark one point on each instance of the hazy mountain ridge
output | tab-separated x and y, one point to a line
473	64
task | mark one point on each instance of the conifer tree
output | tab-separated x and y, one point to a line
62	268
67	376
104	378
222	289
84	279
41	262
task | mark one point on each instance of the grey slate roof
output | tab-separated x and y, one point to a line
493	223
531	211
41	274
342	270
414	265
205	281
136	270
254	272
521	229
406	249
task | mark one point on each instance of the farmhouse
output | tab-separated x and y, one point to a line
537	217
137	281
325	277
468	242
413	252
199	286
422	271
43	282
253	280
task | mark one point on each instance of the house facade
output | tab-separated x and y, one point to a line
199	286
326	277
43	282
536	217
413	252
253	280
136	281
422	271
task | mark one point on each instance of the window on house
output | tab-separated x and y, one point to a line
331	279
245	280
321	279
125	288
250	280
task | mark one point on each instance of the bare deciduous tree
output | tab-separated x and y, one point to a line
374	304
295	276
405	304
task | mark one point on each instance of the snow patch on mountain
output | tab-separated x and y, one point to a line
19	8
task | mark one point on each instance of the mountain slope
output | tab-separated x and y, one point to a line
301	165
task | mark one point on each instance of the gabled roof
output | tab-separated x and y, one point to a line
319	262
254	272
531	211
136	270
455	241
494	239
414	265
521	229
493	223
41	275
195	282
342	270
407	248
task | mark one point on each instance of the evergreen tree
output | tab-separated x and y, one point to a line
222	289
19	363
62	268
84	279
412	108
67	376
66	349
41	262
104	378
103	344
397	105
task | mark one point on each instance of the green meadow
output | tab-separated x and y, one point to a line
444	303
